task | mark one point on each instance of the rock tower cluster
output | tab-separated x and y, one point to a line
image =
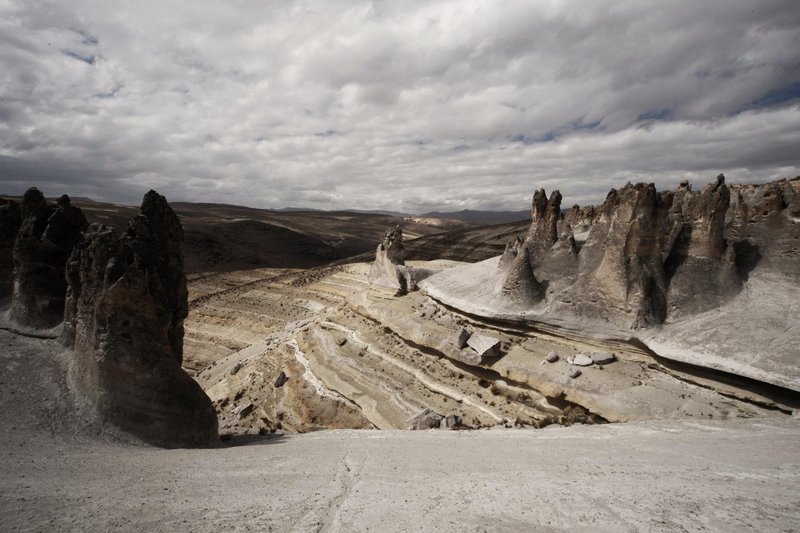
647	255
122	299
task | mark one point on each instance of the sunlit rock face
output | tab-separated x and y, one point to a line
389	268
46	236
125	311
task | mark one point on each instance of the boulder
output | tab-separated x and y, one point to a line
127	301
451	421
574	372
484	345
580	359
46	236
425	419
281	380
551	357
460	339
603	358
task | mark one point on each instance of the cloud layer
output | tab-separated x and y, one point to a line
409	106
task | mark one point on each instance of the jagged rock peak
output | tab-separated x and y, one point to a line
389	270
46	236
10	220
392	244
125	312
545	215
521	288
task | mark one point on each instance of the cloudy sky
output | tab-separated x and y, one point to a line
409	106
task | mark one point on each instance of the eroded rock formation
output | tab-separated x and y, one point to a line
46	236
648	256
10	219
389	268
125	311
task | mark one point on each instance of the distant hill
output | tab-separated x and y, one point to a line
482	218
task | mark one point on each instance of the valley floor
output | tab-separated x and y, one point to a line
56	473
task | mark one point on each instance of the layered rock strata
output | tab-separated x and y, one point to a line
389	268
46	236
126	307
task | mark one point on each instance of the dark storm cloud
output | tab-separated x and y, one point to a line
404	106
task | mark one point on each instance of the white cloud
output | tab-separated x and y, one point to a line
405	106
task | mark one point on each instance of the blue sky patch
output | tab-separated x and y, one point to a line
89	60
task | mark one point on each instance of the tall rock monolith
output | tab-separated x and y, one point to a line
125	311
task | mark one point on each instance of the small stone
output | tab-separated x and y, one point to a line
235	368
603	358
581	359
574	373
461	338
281	379
341	341
552	357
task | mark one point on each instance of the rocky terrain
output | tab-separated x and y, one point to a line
58	474
584	317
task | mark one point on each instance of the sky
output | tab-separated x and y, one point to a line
408	106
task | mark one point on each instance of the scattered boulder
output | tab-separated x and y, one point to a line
281	379
581	359
574	372
461	338
551	357
46	236
235	369
484	345
451	421
426	419
603	358
389	268
126	304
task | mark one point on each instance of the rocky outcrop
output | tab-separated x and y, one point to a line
46	236
700	268
545	215
389	268
10	220
648	256
125	311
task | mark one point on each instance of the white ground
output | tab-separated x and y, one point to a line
656	476
754	335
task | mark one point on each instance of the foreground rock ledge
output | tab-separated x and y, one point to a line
126	304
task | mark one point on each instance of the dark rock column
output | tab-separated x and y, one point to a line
700	274
47	235
125	313
10	220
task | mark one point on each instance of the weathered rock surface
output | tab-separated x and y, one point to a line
581	359
389	268
46	236
426	419
125	312
10	220
670	265
484	345
646	255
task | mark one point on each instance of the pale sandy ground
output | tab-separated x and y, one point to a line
654	476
